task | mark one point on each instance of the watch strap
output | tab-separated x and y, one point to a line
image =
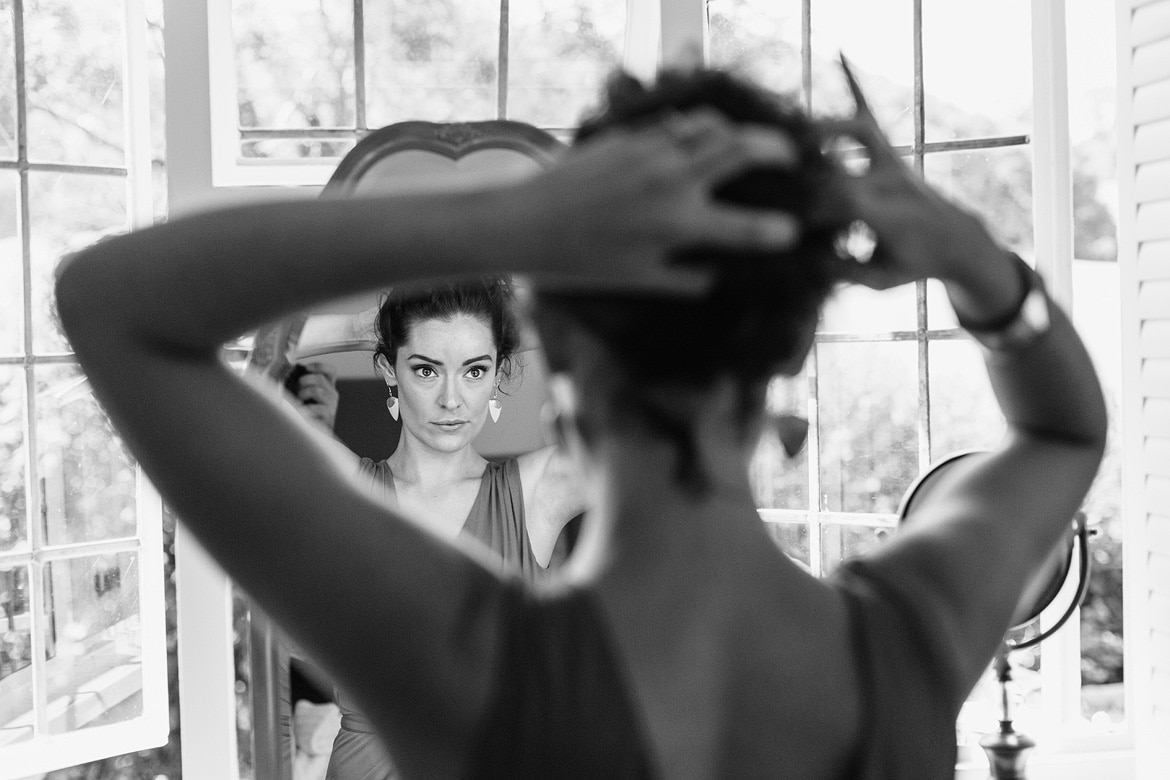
1030	320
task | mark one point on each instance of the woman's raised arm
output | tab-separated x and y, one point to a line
977	538
394	614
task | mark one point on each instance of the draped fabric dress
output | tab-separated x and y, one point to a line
496	519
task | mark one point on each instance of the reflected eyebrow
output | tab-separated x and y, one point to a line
439	362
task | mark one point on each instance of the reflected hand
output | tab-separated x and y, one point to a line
619	204
315	390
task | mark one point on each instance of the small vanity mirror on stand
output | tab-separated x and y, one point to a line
1063	577
408	157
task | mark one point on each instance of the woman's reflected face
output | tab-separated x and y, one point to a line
446	373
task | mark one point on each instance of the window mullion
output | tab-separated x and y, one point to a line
1052	156
359	66
36	582
813	444
806	53
918	151
136	113
642	35
502	70
1052	218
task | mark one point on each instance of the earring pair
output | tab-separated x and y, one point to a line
494	405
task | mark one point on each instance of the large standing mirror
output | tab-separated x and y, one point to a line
400	158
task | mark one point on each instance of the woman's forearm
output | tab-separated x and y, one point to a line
194	283
1046	386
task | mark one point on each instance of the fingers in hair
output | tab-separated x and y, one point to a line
740	149
736	227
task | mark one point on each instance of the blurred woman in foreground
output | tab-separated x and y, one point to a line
681	253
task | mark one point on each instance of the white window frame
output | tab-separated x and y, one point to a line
45	752
204	171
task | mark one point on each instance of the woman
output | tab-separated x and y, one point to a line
681	642
444	352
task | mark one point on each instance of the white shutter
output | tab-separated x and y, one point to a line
1143	130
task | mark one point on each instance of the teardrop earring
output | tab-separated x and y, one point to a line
494	407
392	404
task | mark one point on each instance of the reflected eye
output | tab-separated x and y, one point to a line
476	372
425	372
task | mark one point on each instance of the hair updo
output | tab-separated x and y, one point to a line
759	309
489	298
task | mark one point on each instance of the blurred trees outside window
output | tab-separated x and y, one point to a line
75	643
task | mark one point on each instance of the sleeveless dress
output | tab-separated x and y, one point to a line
562	707
496	519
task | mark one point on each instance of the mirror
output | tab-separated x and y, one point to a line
1043	587
405	157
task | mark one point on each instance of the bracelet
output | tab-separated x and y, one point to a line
1028	322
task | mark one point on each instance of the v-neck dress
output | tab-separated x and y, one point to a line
497	520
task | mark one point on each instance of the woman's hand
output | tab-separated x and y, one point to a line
920	233
314	389
616	207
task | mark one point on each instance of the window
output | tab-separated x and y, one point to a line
893	384
313	77
954	88
82	650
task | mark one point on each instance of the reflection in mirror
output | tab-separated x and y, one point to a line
287	705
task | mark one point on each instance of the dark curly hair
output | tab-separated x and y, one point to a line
761	307
760	303
490	298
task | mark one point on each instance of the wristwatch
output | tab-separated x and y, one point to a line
1028	322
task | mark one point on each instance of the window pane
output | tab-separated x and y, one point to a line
994	183
857	309
963	412
66	211
868	424
977	68
878	40
94	643
559	53
760	38
294	149
7	87
437	61
13	529
87	479
792	538
15	656
939	314
11	266
780	481
841	542
295	68
74	77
